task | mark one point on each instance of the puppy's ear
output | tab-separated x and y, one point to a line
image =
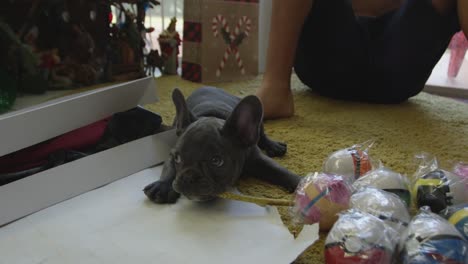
183	115
244	122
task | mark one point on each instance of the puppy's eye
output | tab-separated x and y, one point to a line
217	161
177	158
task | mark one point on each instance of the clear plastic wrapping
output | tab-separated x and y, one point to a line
457	215
388	180
359	237
461	169
430	238
435	187
351	163
384	205
319	198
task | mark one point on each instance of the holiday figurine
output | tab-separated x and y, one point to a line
169	41
47	61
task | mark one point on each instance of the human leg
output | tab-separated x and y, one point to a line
332	53
286	23
445	6
463	15
411	44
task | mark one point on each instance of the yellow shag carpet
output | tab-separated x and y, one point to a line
321	126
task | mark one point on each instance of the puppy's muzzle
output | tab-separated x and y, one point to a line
191	182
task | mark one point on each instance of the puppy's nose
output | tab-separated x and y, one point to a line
186	181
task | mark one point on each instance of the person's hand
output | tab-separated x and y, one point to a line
277	99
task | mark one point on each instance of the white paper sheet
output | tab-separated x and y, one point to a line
116	224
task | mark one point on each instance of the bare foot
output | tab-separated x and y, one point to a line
277	100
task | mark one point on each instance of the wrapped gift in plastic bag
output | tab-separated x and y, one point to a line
384	205
430	238
461	169
388	180
319	198
457	215
351	163
359	237
435	187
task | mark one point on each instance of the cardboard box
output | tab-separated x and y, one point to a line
35	124
220	40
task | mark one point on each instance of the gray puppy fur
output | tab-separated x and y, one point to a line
221	138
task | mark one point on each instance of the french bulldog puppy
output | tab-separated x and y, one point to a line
220	139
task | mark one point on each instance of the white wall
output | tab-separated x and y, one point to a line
264	30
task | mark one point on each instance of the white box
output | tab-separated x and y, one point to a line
32	125
439	82
35	124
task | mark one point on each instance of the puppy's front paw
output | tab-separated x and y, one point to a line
161	192
292	183
275	149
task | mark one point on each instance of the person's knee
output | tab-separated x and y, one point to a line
444	7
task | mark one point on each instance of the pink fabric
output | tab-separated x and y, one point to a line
462	170
37	155
458	47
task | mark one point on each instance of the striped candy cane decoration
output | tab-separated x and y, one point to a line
243	20
218	21
227	52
